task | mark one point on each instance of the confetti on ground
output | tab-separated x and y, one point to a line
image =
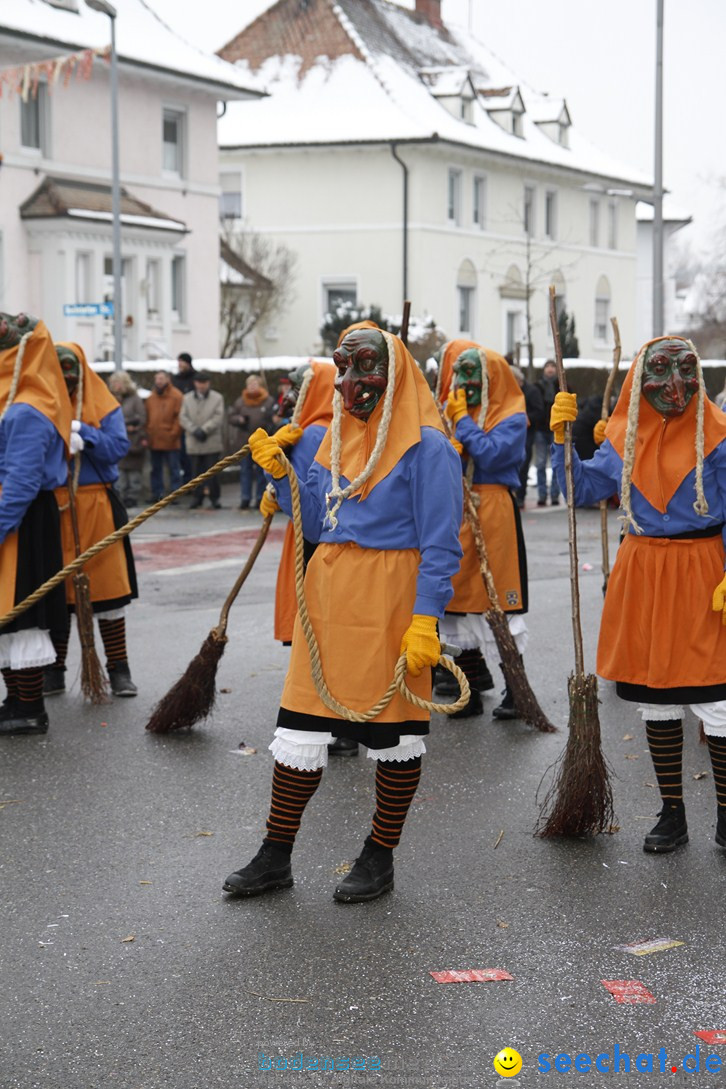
700	775
632	756
104	724
144	882
225	691
502	925
642	949
10	801
712	1036
268	999
587	567
471	975
499	839
628	737
129	938
102	982
630	992
202	833
343	868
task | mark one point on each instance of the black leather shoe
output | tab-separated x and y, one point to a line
371	876
472	708
670	832
343	746
19	724
721	827
195	504
120	677
506	709
270	869
54	681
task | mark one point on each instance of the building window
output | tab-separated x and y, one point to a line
479	209
153	289
337	293
528	212
34	120
612	225
513	335
551	215
230	199
178	288
516	123
454	197
467	111
594	222
84	293
173	142
466	307
602	310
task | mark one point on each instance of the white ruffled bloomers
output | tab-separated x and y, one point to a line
712	715
471	631
28	649
307	750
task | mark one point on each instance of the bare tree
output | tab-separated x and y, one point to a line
258	277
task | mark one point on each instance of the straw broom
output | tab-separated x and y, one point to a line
580	801
193	696
94	682
604	415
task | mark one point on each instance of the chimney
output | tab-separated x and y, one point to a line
431	11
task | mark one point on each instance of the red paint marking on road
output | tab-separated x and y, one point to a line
471	975
630	992
712	1036
185	551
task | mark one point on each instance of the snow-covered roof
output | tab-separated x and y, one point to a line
671	214
57	198
142	38
372	90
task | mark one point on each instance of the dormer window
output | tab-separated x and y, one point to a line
552	117
505	106
452	88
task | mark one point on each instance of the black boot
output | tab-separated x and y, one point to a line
54	680
670	832
14	721
721	826
270	869
119	675
472	708
343	746
371	876
506	709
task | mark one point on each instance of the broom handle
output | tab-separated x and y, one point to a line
605	412
119	534
571	523
221	628
406	317
72	505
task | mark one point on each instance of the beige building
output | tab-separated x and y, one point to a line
55	201
397	158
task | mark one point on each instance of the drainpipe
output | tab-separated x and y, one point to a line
405	218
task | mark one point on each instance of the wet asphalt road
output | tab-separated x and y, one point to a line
122	965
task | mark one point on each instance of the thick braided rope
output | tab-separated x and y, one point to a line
398	682
337	495
119	534
300	403
16	372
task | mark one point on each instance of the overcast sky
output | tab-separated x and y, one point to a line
598	54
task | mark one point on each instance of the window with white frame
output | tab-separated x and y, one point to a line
34	120
479	202
514	333
173	124
550	214
338	292
612	225
84	293
467	111
454	197
178	288
153	289
230	199
594	223
517	127
602	310
528	216
466	296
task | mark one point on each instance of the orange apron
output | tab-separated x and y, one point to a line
658	628
8	572
360	602
285	600
107	572
498	526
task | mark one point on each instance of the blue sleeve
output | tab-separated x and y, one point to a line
595	479
304	451
502	448
437	507
312	504
109	442
29	440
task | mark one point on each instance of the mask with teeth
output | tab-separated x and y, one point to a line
291	394
362	362
13	327
670	376
468	376
71	367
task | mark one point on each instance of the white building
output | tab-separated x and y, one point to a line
397	157
55	198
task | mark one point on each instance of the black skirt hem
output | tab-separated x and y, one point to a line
374	735
641	693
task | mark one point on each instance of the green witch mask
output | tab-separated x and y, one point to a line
670	376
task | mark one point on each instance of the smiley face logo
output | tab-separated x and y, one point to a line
508	1062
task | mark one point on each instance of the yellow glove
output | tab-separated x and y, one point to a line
457	446
264	449
288	435
719	599
564	410
420	644
598	431
268	504
456	406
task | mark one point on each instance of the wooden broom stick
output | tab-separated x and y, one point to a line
94	682
404	322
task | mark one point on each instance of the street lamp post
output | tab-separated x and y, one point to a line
658	316
108	9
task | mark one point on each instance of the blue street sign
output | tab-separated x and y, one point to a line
88	310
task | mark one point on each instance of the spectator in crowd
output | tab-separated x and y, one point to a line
284	386
526	388
253	409
183	380
202	417
131	466
538	410
164	433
